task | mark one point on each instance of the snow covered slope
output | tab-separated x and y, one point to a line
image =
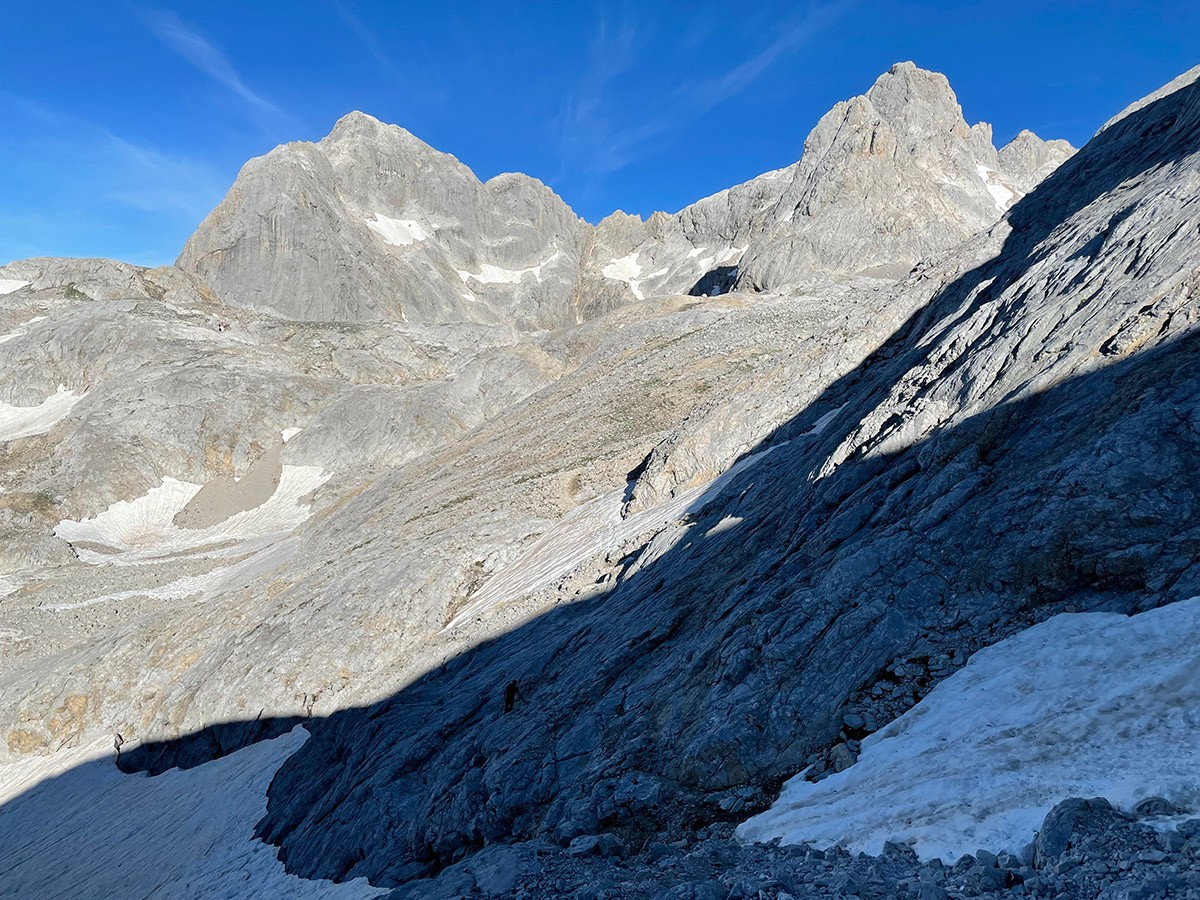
73	825
1082	705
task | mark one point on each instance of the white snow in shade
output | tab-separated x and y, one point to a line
137	531
1082	705
8	285
74	825
629	270
585	532
715	258
822	423
490	274
726	524
26	421
397	232
1000	193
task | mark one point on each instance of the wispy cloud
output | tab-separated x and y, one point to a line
589	132
598	131
369	41
707	93
207	58
38	111
92	192
150	180
420	89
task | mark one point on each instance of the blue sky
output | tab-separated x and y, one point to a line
122	124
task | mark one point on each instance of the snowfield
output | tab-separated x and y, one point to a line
629	270
73	825
1082	705
27	421
1001	194
143	530
397	232
490	274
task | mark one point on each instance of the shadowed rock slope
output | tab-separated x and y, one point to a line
1025	444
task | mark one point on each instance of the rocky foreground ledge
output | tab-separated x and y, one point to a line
1085	849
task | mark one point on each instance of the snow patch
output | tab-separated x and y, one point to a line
1082	705
1003	196
716	258
26	421
131	532
8	285
629	270
288	433
726	524
76	825
490	274
626	268
397	232
822	423
208	585
21	329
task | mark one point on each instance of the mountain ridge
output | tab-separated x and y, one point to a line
387	172
679	510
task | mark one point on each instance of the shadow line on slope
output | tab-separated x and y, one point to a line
722	663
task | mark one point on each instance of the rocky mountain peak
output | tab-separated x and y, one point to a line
915	100
372	223
1027	159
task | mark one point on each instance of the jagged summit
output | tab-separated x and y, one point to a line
886	179
371	223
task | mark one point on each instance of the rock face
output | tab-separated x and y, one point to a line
371	224
1020	447
544	546
933	181
886	179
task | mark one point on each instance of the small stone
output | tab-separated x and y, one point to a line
897	851
657	851
924	890
986	858
1066	821
1155	806
1171	841
695	890
605	845
1190	829
988	878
